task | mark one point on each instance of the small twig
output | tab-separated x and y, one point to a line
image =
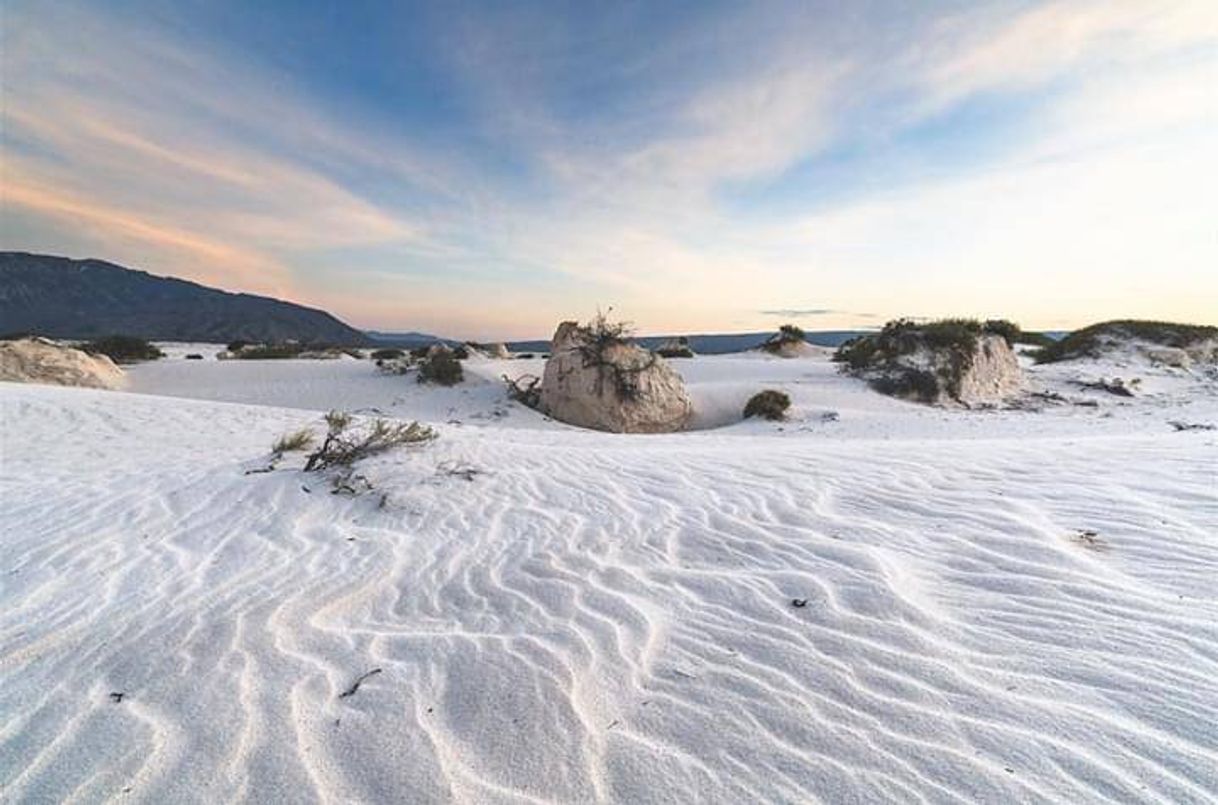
359	681
260	470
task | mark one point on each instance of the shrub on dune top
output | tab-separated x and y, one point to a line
387	354
888	352
787	334
1089	342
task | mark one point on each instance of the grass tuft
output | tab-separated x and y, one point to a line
293	442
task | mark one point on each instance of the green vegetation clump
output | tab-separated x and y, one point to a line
123	349
1090	342
237	346
387	354
905	337
266	352
910	384
1013	334
440	365
768	404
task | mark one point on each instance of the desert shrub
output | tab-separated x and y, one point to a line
387	354
123	349
858	352
768	404
953	334
908	383
293	442
194	356
266	352
440	366
596	338
1005	328
904	337
1013	334
1089	341
237	346
601	332
680	349
344	445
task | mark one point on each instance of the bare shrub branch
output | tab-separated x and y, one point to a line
342	447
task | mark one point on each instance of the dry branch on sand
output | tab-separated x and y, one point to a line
342	446
525	389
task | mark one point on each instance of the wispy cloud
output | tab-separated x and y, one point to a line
797	313
587	165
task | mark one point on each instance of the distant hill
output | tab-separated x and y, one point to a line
64	298
712	344
409	340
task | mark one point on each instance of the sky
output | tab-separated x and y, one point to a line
486	170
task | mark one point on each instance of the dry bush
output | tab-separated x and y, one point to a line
525	390
768	404
344	445
441	365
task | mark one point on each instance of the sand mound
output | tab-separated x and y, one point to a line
613	385
38	360
940	363
1164	343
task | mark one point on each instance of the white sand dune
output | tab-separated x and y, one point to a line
1000	606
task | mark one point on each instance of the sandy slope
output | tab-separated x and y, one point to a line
597	617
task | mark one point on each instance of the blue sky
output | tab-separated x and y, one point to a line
485	170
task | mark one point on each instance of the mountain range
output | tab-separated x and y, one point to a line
65	298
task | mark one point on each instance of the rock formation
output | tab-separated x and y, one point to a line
600	381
